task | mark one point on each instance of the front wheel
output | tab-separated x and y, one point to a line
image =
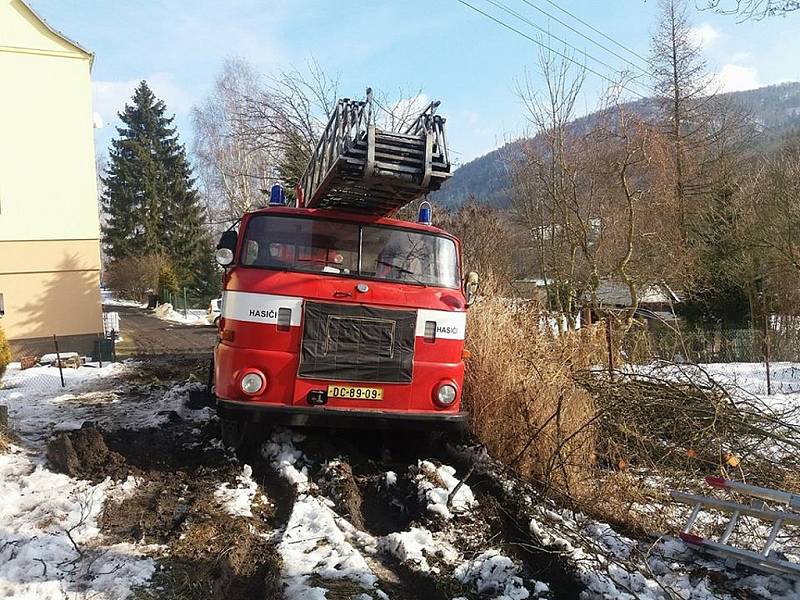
235	433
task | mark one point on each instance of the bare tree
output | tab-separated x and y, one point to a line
685	94
753	9
232	168
545	178
284	118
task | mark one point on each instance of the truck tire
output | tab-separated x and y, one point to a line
234	433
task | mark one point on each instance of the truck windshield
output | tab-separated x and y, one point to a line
340	248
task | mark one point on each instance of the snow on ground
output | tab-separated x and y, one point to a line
435	484
193	316
109	300
415	546
613	566
495	575
41	509
313	542
236	501
50	541
38	405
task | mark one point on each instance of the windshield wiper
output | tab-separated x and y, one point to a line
414	277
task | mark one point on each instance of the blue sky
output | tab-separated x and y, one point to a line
438	46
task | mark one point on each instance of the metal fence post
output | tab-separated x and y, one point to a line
58	359
185	306
610	343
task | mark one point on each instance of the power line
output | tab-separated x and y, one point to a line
592	40
548	48
569	58
524	19
597	31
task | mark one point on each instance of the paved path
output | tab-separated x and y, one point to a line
146	335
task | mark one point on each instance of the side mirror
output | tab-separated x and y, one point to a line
226	248
471	287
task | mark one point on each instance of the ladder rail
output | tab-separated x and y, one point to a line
730	507
357	166
766	559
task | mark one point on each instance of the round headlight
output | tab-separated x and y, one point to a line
224	256
445	394
252	383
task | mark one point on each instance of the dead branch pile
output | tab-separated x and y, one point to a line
678	419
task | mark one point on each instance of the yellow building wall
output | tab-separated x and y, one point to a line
49	223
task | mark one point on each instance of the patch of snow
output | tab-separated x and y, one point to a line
193	316
493	574
315	541
38	405
40	509
237	500
287	460
109	300
313	544
415	546
435	485
37	559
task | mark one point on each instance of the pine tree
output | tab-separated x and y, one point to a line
150	201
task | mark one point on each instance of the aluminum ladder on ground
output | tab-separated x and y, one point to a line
768	559
359	167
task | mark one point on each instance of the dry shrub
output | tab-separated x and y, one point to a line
133	276
5	353
524	405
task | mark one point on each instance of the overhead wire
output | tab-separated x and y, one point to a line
597	31
515	14
541	44
592	40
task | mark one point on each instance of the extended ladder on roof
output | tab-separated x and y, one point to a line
358	167
768	559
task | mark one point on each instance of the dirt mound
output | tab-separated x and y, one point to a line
83	453
338	483
212	554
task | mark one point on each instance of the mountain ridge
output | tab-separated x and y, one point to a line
488	178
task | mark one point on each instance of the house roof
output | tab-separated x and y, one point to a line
59	34
616	293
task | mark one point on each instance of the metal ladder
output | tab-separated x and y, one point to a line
768	559
357	166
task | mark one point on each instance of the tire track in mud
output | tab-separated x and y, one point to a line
349	469
355	495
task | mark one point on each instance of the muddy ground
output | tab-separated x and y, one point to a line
209	554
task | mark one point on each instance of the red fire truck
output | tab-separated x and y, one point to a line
333	312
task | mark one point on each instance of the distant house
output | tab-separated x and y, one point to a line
49	225
657	302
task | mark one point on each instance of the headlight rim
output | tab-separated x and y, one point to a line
447	383
256	373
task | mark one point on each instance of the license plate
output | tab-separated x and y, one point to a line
351	392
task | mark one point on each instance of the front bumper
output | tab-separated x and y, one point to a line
321	416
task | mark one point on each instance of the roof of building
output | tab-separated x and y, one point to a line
58	33
617	293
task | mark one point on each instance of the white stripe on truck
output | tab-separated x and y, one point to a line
263	308
260	308
449	325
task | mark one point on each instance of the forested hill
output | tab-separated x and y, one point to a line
489	180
